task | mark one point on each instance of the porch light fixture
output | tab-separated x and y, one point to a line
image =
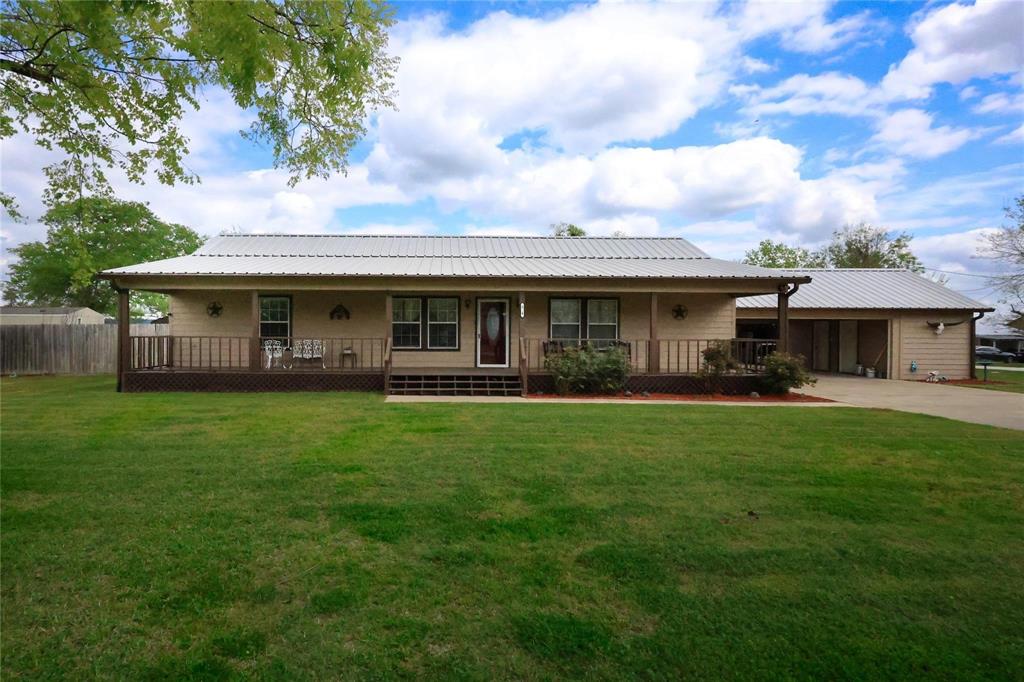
522	310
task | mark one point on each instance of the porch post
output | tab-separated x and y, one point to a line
254	333
124	322
654	352
783	318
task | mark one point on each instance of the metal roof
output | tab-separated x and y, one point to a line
415	256
29	310
862	289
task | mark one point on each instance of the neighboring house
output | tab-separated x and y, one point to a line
481	314
24	315
898	322
438	314
1012	343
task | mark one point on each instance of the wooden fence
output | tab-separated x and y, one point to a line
63	349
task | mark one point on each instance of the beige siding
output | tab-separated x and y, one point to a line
710	316
947	353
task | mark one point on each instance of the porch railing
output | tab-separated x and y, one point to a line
246	353
664	356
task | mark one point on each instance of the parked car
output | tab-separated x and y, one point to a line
992	353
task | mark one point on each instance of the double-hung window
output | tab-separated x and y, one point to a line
581	319
406	322
275	317
425	323
443	323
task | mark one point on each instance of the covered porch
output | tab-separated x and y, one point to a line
426	339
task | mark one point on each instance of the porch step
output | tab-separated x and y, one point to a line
455	384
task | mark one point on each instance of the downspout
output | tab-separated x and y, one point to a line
974	343
782	314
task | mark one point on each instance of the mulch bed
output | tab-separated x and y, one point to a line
715	397
967	382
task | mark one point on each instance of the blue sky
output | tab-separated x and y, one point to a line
725	124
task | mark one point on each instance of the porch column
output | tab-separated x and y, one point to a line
124	350
783	317
654	352
254	333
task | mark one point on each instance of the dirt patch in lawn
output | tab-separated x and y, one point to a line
705	397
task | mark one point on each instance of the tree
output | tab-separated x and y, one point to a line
1006	245
107	83
567	230
769	254
86	236
865	246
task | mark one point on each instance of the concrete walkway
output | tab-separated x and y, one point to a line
975	405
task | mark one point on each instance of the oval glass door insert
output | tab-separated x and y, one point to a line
493	324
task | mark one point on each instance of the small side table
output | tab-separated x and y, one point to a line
350	355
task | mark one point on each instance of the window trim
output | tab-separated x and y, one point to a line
584	302
419	343
457	322
424	344
291	316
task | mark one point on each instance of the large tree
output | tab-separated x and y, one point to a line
1006	245
107	83
86	236
769	254
866	246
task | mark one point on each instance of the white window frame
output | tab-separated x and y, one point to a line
456	323
579	318
418	323
614	324
288	321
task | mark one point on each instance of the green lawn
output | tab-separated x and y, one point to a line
313	536
1012	382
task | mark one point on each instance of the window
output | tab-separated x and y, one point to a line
443	323
275	317
565	318
602	318
584	318
406	320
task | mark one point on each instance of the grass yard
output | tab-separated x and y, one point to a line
312	536
1012	382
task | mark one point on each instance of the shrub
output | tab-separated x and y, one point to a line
589	370
783	372
717	361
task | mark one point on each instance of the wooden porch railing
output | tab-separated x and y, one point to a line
246	353
675	356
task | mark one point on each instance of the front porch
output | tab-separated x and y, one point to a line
491	342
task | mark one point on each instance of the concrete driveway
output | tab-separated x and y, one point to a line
976	405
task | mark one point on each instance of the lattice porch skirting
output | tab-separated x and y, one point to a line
683	384
252	382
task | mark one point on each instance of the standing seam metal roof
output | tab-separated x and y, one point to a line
406	256
861	289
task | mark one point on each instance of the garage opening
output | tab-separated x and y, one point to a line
837	346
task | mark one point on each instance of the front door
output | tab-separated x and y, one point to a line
491	332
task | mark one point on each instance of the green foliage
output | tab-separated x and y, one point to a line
717	360
769	254
107	83
567	230
783	372
589	370
84	237
865	246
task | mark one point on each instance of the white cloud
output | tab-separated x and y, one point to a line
956	43
1014	137
799	95
801	26
1000	103
909	132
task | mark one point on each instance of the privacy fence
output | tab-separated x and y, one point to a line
64	349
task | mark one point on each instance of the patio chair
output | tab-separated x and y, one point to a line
309	350
273	349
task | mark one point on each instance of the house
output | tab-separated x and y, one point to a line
1012	342
417	314
24	315
897	322
434	314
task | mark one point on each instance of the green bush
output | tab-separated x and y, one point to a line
783	372
717	361
589	370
